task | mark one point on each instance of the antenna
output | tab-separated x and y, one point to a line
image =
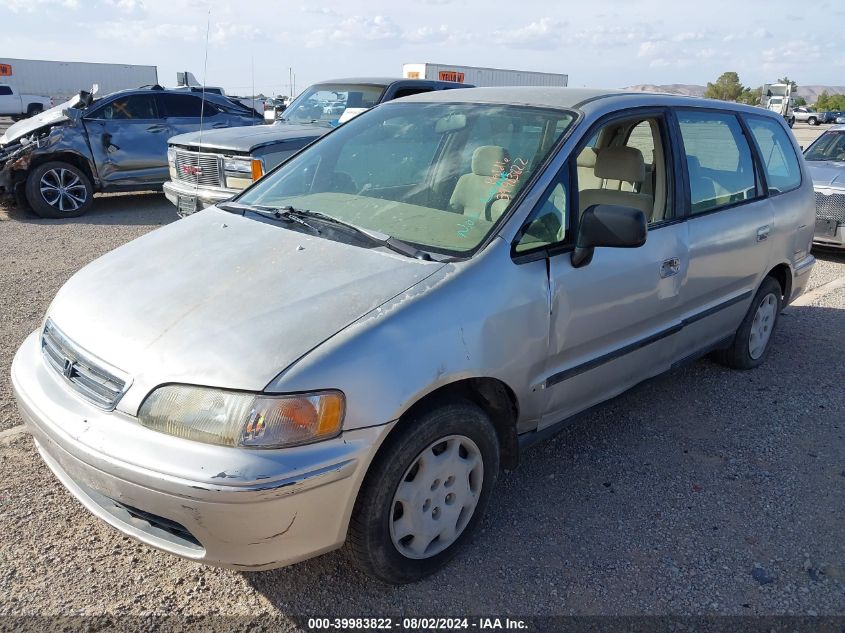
204	73
252	63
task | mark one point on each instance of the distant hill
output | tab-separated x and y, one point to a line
810	93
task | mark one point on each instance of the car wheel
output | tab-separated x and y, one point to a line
59	190
791	122
425	493
34	109
750	344
812	121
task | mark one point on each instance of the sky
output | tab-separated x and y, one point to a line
605	43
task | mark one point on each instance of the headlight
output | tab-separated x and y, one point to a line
171	156
247	166
237	165
236	418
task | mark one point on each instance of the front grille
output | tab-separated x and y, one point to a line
831	206
199	169
94	380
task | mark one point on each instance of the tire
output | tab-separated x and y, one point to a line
791	122
812	121
44	192
458	428
747	351
34	108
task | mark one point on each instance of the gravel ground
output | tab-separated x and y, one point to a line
704	491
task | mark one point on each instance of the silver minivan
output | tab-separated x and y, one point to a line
350	350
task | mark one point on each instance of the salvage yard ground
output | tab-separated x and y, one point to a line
702	491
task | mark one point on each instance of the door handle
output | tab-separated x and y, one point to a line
218	125
157	128
670	267
763	233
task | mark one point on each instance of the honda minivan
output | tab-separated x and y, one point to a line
350	350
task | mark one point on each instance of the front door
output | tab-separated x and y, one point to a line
613	320
128	139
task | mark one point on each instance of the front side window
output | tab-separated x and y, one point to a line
719	163
437	175
829	146
624	164
140	107
779	160
326	103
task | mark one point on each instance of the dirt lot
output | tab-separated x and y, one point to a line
704	491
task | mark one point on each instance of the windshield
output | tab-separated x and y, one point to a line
326	103
435	175
829	146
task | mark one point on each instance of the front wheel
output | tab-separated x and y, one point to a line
750	344
813	121
425	493
59	190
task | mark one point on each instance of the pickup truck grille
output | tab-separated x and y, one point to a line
199	169
92	379
830	206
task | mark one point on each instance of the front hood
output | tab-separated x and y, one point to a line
827	173
221	300
248	138
27	126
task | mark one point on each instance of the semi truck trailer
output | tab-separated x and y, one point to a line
481	76
61	80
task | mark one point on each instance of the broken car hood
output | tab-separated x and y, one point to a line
27	126
248	138
221	300
827	173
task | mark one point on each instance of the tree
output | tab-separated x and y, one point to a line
799	101
787	80
749	96
823	101
726	88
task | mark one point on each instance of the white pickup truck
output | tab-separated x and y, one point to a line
19	106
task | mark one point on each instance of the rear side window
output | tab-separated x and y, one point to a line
779	160
719	163
5	90
185	106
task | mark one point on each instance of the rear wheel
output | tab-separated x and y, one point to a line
751	341
425	493
813	120
34	108
59	190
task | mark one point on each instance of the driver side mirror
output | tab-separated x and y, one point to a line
608	225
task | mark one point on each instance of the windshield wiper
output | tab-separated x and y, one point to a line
279	214
394	244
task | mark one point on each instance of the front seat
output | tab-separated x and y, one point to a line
622	164
474	191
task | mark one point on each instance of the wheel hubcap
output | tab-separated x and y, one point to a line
63	190
761	326
437	497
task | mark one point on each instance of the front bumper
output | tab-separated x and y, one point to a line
238	508
829	233
189	199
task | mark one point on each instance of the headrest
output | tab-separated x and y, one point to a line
587	157
484	160
620	163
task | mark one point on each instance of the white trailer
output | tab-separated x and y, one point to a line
480	76
62	80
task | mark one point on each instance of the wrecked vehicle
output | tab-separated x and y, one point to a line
348	351
55	161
